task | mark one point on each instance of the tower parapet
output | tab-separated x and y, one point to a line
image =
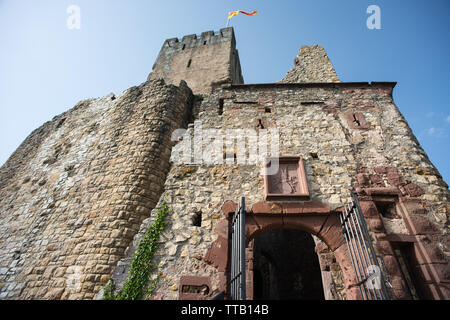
194	40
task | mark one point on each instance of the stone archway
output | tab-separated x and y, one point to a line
312	217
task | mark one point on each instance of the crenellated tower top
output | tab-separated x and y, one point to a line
204	61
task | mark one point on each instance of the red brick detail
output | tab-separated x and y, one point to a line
413	206
399	238
293	207
414	190
229	207
384	247
392	266
315	206
382	191
421	225
363	170
381	170
223	282
221	228
392	169
362	179
434	271
399	290
256	224
437	290
443	271
394	179
203	284
287	208
331	232
375	224
307	223
343	258
376	179
217	255
268	208
369	209
426	252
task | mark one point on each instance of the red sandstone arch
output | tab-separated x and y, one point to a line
313	217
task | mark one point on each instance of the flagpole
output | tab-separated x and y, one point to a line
228	21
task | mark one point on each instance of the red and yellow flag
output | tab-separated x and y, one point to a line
234	13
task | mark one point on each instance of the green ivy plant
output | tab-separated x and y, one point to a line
141	269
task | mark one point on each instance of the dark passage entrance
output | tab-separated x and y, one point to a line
286	267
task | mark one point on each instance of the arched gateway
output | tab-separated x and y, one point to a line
281	224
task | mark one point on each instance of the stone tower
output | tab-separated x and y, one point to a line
74	194
204	62
82	191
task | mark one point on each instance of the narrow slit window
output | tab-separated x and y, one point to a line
260	124
189	63
184	47
356	120
221	107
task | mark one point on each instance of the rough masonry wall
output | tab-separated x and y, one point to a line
311	65
203	62
314	121
77	190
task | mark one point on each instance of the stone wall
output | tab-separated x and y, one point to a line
341	130
311	65
77	190
204	62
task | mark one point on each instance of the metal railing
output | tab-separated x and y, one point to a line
237	282
369	276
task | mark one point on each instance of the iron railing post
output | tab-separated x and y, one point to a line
242	248
238	263
372	250
361	251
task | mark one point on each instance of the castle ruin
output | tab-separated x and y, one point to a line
78	195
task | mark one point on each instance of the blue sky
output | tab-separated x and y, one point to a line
46	68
